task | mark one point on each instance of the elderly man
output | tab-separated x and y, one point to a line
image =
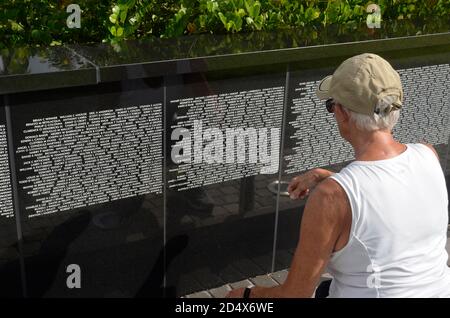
379	225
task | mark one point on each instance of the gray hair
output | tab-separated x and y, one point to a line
381	120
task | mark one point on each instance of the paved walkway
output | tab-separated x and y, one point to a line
268	280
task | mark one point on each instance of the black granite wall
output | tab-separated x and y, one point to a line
89	177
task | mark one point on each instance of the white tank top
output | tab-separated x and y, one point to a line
397	240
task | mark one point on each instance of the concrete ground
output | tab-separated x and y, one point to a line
268	280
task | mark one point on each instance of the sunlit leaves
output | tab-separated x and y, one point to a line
43	22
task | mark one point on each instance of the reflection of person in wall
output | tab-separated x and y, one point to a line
195	200
379	225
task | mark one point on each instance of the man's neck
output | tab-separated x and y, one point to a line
375	145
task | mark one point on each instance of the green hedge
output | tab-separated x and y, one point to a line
43	22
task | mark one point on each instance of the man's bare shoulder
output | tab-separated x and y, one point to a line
431	147
330	188
330	197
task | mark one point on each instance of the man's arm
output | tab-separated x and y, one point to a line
326	213
300	186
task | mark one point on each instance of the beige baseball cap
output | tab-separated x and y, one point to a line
360	82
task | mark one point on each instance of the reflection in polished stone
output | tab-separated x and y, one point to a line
114	236
10	275
29	60
30	69
225	209
203	45
41	270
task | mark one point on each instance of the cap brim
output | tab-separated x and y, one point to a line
323	88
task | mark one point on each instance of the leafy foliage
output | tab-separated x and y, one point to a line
43	22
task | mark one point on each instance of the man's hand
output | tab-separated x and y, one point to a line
300	186
236	293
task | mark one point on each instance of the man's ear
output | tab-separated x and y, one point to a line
342	113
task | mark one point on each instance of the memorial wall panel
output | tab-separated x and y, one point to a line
10	276
89	165
223	140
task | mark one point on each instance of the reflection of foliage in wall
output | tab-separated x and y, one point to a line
43	22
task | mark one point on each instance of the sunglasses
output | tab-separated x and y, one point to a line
329	104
